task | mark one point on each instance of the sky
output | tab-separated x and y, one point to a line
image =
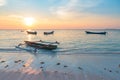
60	14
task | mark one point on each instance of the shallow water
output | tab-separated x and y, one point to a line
92	53
71	41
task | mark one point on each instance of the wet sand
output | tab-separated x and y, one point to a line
26	66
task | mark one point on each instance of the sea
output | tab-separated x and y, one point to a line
74	41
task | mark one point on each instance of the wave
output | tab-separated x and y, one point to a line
8	49
58	51
13	50
81	51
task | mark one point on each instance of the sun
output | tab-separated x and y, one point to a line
29	21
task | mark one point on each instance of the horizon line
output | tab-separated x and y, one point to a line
69	29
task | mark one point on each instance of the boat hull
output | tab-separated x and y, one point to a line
41	46
47	33
88	32
29	32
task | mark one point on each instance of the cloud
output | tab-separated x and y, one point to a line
2	2
16	16
73	8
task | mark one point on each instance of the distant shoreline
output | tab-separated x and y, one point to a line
61	29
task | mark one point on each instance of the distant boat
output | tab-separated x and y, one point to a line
47	33
22	30
42	44
91	32
31	32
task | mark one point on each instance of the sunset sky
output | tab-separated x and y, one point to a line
59	14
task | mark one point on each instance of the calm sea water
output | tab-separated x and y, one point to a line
71	41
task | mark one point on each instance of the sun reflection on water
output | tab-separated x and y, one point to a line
29	37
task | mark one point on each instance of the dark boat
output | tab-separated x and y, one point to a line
31	32
90	32
47	33
42	44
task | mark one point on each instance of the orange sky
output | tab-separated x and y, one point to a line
73	23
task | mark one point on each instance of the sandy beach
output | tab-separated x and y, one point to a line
32	66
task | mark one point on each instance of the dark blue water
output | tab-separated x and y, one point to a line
71	41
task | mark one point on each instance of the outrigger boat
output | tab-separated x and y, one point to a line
42	44
31	32
47	33
90	32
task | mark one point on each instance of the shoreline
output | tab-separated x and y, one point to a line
26	66
47	75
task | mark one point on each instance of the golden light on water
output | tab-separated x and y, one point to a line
29	21
29	37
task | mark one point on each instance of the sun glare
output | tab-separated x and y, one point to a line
29	21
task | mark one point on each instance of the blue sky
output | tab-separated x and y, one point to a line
108	7
101	7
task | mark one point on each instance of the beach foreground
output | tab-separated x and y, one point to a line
26	66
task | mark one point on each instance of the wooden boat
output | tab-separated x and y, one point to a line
31	32
47	33
42	44
90	32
